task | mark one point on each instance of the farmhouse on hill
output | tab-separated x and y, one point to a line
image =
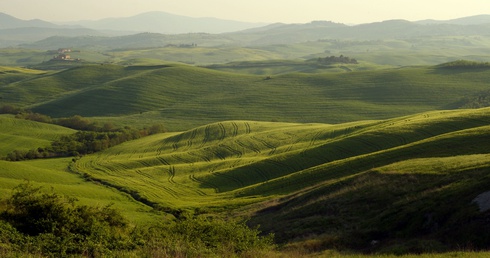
62	57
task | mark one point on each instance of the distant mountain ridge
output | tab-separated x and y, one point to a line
166	23
172	28
470	20
10	22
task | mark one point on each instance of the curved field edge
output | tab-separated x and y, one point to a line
233	163
18	134
54	175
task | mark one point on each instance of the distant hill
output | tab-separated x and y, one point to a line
14	31
140	40
166	23
228	32
282	34
10	22
391	29
186	96
471	20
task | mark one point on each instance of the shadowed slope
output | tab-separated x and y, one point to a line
249	159
186	97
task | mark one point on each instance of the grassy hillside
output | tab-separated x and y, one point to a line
194	55
17	134
237	157
185	97
275	67
407	183
53	174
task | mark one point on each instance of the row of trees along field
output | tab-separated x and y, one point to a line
91	137
334	60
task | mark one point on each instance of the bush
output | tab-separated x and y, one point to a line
53	224
47	224
201	236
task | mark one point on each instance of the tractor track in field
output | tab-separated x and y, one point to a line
237	153
234	133
151	181
193	178
207	135
222	135
262	174
171	173
263	142
248	130
230	178
179	158
252	148
163	161
191	138
199	156
171	180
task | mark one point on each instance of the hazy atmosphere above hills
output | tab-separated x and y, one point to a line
286	11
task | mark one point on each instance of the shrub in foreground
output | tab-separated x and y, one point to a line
47	224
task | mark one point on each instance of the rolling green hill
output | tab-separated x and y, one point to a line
185	97
407	183
17	134
394	181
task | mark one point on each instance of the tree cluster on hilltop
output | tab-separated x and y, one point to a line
337	59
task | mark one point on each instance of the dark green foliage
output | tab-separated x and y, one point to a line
464	64
9	109
479	100
34	117
197	236
77	122
92	138
32	221
55	226
336	60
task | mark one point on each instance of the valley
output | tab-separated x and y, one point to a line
283	140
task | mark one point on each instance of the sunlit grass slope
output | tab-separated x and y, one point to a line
236	162
184	96
18	134
14	74
54	175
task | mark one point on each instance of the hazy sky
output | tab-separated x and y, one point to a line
287	11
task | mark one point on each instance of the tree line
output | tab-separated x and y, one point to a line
76	122
90	138
337	59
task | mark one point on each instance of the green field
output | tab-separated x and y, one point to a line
265	130
184	97
250	159
336	157
17	134
365	177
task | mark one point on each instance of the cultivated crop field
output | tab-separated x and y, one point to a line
17	134
237	162
126	95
